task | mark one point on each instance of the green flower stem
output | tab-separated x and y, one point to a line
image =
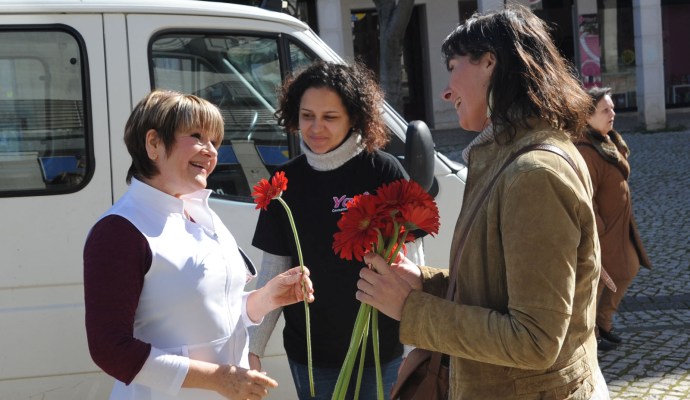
398	248
294	231
378	246
377	357
361	324
362	357
310	367
392	242
361	330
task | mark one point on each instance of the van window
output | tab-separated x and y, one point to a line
43	145
241	75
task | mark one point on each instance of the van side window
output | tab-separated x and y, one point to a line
299	58
43	144
241	75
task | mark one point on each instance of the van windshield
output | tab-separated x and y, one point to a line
241	74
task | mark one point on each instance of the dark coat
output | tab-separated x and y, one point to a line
607	161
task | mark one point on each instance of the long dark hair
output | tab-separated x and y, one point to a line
531	78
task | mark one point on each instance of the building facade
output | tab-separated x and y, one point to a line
639	48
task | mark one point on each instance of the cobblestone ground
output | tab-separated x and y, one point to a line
653	363
654	319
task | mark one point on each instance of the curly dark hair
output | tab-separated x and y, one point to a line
357	88
531	78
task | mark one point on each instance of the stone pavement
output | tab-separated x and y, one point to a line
654	318
653	362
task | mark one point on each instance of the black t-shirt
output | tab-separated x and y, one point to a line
317	199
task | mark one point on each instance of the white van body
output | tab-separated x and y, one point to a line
70	73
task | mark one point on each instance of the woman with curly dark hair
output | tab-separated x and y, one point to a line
336	110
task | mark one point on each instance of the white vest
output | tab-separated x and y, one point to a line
193	303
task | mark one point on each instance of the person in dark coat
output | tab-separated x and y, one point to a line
622	252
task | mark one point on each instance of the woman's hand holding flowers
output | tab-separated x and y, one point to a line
407	270
287	288
264	192
375	228
382	288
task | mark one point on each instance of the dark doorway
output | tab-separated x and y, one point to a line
365	36
558	15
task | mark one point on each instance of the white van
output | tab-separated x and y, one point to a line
70	73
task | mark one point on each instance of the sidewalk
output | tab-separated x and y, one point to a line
450	140
653	363
654	319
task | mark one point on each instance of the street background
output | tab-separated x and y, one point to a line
653	362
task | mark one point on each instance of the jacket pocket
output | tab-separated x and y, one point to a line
570	382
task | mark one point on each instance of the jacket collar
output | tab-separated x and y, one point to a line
196	203
537	131
611	148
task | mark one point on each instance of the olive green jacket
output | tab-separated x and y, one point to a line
522	324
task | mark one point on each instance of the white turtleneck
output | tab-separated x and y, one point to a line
336	157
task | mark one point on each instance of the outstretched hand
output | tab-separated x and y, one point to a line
286	288
239	383
282	290
381	287
230	381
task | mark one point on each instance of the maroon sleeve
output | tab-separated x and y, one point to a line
116	258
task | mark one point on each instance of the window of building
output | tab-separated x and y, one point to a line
43	140
616	38
366	46
675	15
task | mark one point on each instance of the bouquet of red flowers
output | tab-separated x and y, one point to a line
264	192
382	223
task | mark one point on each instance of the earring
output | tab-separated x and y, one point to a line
490	106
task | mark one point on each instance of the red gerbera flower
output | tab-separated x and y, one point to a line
413	194
424	218
358	228
391	196
406	195
382	223
264	191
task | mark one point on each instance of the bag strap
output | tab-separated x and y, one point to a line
435	361
463	239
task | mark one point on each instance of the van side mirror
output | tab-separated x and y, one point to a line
419	154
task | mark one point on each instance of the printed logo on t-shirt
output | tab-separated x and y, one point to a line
340	203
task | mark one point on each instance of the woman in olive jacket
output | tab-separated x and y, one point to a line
622	252
521	325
